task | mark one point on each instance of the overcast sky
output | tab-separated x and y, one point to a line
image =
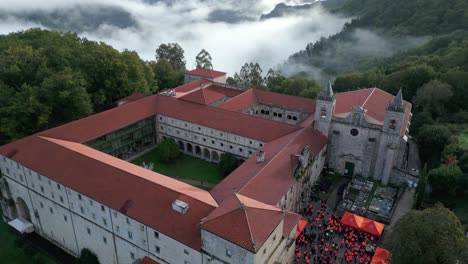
142	25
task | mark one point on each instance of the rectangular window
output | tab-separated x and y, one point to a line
186	252
82	209
41	204
117	228
90	202
51	210
280	115
128	221
88	230
42	189
115	214
104	239
142	228
228	253
130	234
156	235
240	149
53	195
17	165
132	255
79	197
21	177
39	177
102	208
65	218
58	186
157	249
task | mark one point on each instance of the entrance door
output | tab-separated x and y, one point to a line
349	169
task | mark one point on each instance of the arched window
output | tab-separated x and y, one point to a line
323	112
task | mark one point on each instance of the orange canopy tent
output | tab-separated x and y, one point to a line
352	220
372	227
380	256
300	227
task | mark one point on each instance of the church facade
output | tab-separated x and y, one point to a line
73	185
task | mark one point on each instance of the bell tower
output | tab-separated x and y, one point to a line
324	109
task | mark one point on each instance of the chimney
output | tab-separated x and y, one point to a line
260	156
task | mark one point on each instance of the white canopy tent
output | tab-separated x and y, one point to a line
22	225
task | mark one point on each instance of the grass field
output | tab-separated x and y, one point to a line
186	167
13	250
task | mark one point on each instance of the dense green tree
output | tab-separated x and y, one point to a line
431	236
250	76
204	60
431	141
172	53
228	163
166	76
49	77
168	150
444	179
420	119
433	96
421	189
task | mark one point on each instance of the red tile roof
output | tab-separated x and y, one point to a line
132	97
253	96
290	222
205	73
275	174
228	121
113	182
373	100
147	260
240	102
243	221
188	87
105	122
209	94
288	101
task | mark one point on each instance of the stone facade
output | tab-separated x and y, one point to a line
358	146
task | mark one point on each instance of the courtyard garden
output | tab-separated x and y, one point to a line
183	167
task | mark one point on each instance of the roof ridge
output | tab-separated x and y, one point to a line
276	155
368	97
250	229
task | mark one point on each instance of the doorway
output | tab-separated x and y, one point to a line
349	169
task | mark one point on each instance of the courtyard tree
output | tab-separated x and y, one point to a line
444	179
204	60
431	236
87	257
168	150
228	163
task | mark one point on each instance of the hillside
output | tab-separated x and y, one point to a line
382	29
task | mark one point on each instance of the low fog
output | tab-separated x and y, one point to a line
230	30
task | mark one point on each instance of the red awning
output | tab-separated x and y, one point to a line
300	227
352	220
372	227
381	256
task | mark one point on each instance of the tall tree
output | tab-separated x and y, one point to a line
431	236
250	76
172	53
431	141
204	60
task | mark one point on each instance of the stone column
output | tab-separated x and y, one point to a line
388	163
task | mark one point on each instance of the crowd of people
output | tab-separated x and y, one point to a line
325	240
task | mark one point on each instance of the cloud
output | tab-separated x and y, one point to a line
153	22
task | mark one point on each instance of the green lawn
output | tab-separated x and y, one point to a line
13	250
186	167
